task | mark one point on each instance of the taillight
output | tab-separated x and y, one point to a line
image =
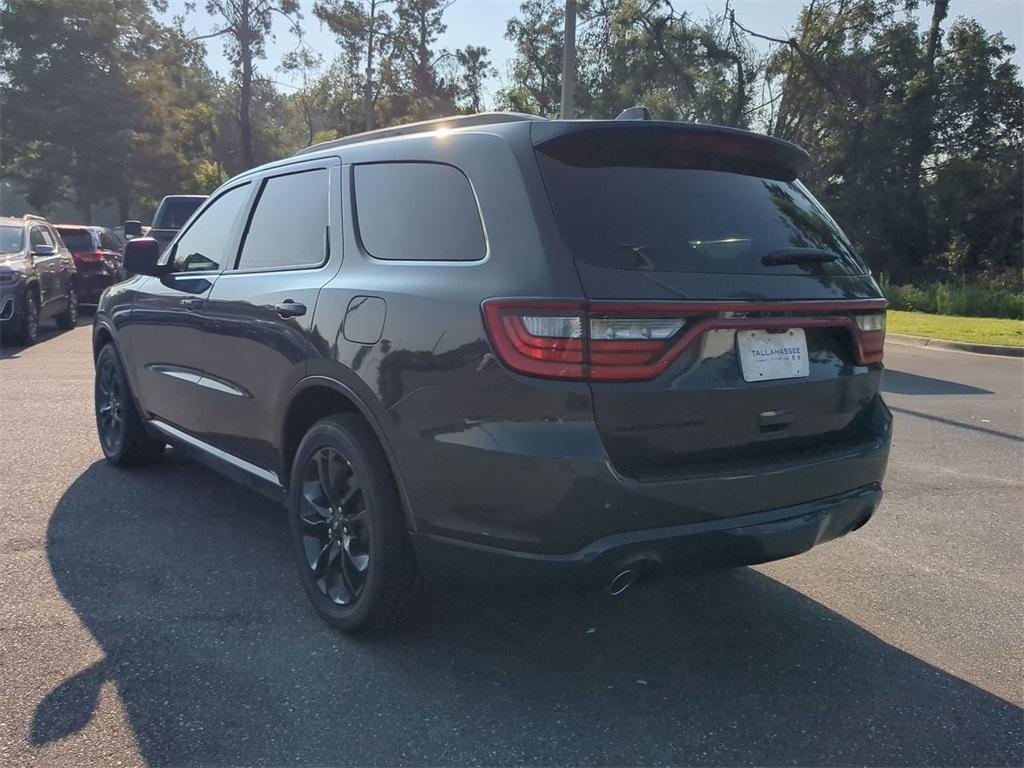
870	337
575	341
88	255
539	338
635	342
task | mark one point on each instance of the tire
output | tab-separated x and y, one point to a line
348	531
28	326
68	319
123	438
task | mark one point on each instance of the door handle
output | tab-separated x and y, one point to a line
289	308
192	303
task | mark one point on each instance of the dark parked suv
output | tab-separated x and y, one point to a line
37	279
512	347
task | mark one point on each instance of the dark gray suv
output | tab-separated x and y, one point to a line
37	279
506	348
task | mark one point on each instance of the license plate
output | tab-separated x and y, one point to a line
766	356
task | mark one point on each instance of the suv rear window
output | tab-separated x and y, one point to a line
76	239
418	211
658	205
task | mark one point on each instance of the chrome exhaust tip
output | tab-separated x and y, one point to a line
622	581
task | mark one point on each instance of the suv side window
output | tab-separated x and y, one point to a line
41	236
288	228
203	246
417	211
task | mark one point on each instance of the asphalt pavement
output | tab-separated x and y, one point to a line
152	617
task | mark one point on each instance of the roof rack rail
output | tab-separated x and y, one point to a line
33	217
456	121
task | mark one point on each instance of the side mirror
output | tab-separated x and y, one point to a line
43	250
141	255
132	228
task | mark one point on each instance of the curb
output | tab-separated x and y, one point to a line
960	346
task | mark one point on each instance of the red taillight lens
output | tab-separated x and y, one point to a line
538	338
870	337
575	341
87	255
634	342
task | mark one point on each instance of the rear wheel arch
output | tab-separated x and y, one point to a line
100	338
315	398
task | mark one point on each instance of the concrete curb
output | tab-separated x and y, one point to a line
960	346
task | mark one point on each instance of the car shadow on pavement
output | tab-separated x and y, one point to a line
9	348
900	383
185	582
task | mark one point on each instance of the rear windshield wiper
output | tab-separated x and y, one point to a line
798	256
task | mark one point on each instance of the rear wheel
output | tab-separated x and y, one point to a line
348	531
123	437
69	317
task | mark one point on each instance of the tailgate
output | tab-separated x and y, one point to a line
728	322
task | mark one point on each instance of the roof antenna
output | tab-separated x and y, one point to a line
634	113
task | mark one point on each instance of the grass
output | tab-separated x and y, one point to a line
977	299
976	330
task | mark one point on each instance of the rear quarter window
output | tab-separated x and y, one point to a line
417	212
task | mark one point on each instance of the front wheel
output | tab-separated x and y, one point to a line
348	531
123	437
28	326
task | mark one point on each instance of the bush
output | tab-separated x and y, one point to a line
978	299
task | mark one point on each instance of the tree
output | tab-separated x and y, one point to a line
975	196
421	92
246	25
311	97
475	66
362	28
892	114
69	63
648	53
632	52
536	70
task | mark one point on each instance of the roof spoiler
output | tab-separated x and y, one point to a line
658	143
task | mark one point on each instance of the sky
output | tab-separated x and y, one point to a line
482	22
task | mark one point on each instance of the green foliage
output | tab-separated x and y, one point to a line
916	131
980	299
101	103
915	135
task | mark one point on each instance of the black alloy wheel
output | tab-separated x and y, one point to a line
110	405
123	436
349	532
336	526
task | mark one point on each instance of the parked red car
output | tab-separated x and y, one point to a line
98	256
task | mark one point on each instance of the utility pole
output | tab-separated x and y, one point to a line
569	61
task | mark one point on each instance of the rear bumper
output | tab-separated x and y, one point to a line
90	284
735	541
